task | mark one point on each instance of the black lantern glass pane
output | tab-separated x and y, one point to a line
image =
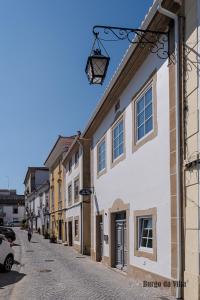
99	66
88	70
96	68
97	80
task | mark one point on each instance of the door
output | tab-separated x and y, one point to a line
120	242
101	239
60	230
70	233
65	231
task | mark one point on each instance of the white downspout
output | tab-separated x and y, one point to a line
81	172
178	178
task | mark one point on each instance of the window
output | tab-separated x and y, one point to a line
70	165
76	189
145	234
118	139
70	194
15	210
76	157
47	199
59	195
145	239
59	192
52	198
144	114
101	156
76	228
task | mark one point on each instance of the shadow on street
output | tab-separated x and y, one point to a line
10	278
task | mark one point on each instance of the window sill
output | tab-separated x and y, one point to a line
102	172
147	254
118	159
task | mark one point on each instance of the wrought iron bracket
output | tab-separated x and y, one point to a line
154	40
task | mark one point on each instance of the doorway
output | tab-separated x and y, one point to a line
70	233
65	231
99	238
120	250
60	230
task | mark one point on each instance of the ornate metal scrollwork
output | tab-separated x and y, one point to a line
156	41
191	59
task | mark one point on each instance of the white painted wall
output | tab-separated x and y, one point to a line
142	179
70	176
75	210
8	209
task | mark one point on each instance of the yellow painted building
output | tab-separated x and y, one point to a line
57	189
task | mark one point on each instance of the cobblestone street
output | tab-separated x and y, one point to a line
53	271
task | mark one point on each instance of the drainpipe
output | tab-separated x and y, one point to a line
81	196
174	17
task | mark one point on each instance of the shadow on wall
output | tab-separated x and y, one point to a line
10	278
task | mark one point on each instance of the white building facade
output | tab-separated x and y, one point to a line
40	207
76	177
133	164
36	192
12	207
132	178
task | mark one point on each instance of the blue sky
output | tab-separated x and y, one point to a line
44	91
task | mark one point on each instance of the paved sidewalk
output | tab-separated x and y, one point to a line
45	271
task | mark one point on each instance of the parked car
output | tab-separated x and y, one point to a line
8	232
6	254
14	224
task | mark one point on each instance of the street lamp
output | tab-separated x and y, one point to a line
98	60
96	67
97	63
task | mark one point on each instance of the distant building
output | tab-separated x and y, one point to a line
12	206
57	202
36	184
76	176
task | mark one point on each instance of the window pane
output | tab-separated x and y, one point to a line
115	153
116	131
140	119
145	233
148	97
149	243
120	149
120	127
148	125
150	233
118	140
144	242
101	156
148	223
140	105
121	138
148	111
140	132
144	114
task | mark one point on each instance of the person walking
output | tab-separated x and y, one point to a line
29	234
